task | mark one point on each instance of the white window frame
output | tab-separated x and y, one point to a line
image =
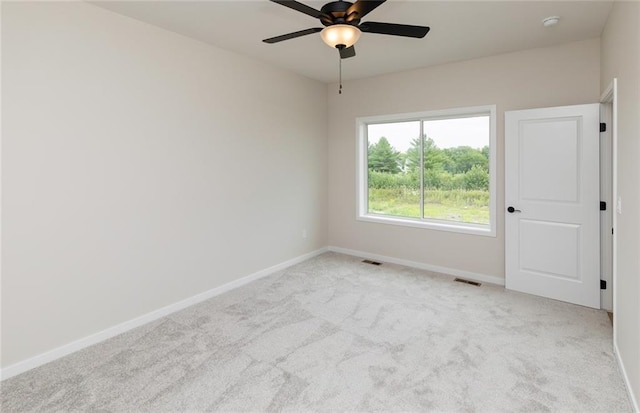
362	189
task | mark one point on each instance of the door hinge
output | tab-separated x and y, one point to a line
603	206
603	127
603	285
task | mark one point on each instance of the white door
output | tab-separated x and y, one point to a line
552	227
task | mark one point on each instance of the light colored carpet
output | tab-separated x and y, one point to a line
334	334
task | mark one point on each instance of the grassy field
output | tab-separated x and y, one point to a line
453	205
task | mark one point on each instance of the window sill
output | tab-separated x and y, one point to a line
462	228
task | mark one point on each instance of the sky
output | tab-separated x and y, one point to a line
446	133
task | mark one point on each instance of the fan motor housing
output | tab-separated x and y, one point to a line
337	10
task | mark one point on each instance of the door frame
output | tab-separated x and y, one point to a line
606	195
610	97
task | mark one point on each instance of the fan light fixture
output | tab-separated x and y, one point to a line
340	35
342	21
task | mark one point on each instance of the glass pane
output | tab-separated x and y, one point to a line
456	169
393	178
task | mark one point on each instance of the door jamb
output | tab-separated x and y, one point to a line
610	95
606	221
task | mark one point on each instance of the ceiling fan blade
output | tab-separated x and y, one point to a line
393	29
361	8
292	35
302	8
347	52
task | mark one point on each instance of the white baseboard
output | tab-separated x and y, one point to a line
632	397
422	266
110	332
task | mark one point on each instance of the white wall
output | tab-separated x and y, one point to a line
139	168
621	59
555	76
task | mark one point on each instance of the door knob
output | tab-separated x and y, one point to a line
511	210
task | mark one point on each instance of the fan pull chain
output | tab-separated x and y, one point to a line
340	66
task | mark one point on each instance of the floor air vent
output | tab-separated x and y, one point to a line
460	280
372	262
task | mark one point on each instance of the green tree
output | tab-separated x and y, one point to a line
383	157
485	152
476	178
434	158
463	158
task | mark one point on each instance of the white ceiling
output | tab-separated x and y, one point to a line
460	30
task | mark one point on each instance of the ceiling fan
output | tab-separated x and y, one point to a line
342	24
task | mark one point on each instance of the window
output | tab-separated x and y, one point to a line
430	170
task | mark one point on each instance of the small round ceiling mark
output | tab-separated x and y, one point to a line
550	21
